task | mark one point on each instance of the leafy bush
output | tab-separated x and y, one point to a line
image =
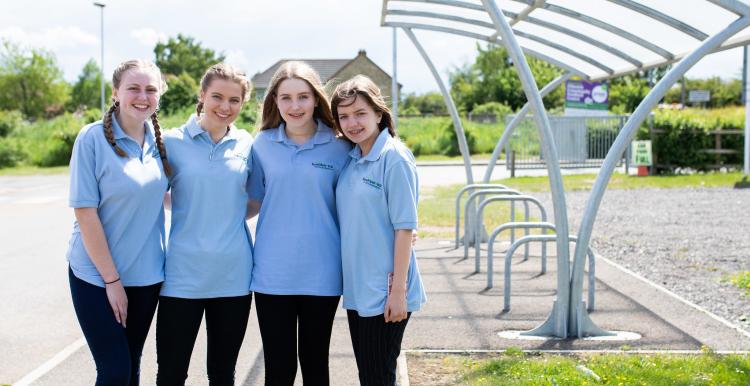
448	141
49	143
10	154
500	110
9	120
684	134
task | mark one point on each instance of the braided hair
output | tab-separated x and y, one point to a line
107	119
107	123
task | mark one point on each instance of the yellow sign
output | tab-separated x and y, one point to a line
641	153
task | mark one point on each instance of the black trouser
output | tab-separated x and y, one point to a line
177	326
116	350
377	345
282	318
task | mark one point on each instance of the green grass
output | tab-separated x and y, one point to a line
613	369
440	157
437	205
742	281
27	170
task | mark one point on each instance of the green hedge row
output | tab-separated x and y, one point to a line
681	136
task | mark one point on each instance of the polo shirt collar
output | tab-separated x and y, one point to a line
117	130
119	133
323	134
194	129
378	148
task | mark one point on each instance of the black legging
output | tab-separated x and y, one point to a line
281	319
177	325
116	350
377	345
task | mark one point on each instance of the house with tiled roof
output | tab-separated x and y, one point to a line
332	72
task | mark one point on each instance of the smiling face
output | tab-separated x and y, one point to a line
359	121
296	102
222	101
138	94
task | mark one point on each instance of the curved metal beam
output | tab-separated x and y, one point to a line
607	27
738	7
662	18
566	50
525	12
481	23
628	131
449	103
481	37
558	318
530	20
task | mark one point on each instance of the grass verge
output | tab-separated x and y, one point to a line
742	281
517	368
437	204
33	170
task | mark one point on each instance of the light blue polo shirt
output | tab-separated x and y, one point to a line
128	193
297	248
209	253
377	195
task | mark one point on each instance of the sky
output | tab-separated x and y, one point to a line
253	34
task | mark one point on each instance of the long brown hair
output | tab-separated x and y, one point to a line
225	72
117	76
271	117
363	86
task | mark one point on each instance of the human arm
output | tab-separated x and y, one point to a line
395	307
95	243
402	197
253	208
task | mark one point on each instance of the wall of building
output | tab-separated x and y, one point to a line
362	65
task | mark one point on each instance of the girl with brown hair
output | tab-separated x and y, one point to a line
209	255
296	158
376	202
116	252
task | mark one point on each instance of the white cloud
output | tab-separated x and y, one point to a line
148	36
53	38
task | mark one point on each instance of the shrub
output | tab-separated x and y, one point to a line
684	134
9	121
500	110
10	154
448	141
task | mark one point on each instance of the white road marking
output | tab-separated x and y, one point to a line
39	372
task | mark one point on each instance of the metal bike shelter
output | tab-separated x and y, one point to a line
594	40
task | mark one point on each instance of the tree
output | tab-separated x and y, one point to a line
87	89
428	103
492	78
184	54
627	92
31	81
182	91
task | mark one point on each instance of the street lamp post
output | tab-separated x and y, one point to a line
101	62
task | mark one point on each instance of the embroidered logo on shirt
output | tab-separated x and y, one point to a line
372	183
321	165
240	156
155	152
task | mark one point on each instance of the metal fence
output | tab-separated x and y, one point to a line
582	142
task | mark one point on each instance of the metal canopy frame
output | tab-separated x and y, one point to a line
589	57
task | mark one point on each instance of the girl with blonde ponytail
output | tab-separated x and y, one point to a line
116	252
209	254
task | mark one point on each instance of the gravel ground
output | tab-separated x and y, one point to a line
688	240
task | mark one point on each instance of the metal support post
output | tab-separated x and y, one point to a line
621	142
557	323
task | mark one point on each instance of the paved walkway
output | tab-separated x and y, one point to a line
38	330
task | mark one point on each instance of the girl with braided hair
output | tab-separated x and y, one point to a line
116	252
209	254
